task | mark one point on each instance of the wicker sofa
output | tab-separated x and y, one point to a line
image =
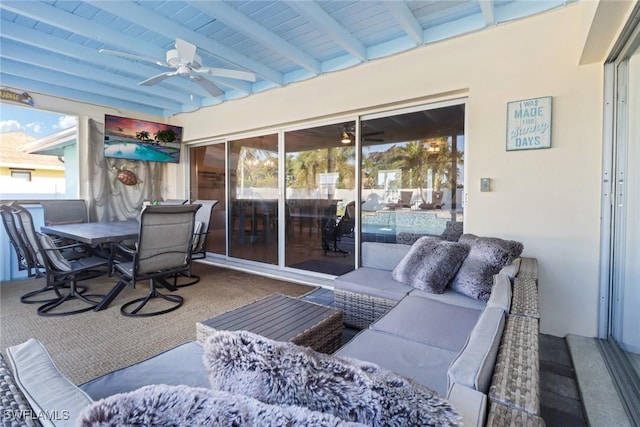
512	398
421	336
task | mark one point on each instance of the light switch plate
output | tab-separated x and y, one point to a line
485	184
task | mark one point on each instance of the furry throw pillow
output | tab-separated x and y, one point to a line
164	405
286	374
430	264
513	248
486	257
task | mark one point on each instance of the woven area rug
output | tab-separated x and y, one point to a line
87	345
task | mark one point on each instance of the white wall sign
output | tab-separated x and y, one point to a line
529	124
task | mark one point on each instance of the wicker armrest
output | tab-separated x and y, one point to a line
501	416
361	310
524	301
528	268
15	407
516	374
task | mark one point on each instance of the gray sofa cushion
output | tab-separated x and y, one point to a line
430	322
47	390
449	296
159	369
501	293
512	269
421	362
486	257
474	365
383	256
164	405
283	373
430	264
373	282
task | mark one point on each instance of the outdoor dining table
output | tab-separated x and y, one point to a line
95	233
98	234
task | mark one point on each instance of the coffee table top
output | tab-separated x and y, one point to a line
277	317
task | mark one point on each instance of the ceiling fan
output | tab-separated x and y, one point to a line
349	135
185	62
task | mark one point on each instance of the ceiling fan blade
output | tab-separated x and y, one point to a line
157	79
208	86
186	51
225	72
134	57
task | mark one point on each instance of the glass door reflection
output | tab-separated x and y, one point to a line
207	176
253	195
320	196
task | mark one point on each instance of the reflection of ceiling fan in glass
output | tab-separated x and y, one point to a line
434	145
349	135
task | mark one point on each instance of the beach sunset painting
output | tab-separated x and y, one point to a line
134	139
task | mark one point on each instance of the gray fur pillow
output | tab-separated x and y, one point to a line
165	405
430	264
286	374
486	257
513	248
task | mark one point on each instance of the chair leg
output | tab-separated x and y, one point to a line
74	293
195	279
141	302
52	287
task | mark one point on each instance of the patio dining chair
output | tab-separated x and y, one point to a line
26	256
335	228
25	262
57	212
200	234
169	202
62	274
163	251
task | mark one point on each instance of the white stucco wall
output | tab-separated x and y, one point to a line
548	199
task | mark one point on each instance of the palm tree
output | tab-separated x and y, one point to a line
167	135
143	135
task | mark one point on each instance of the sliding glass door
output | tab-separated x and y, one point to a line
412	175
207	172
623	351
305	198
253	198
320	198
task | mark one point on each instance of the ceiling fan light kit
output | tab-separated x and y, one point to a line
346	139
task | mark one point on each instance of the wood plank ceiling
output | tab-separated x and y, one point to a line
53	47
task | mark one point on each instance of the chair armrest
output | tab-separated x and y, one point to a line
59	248
119	247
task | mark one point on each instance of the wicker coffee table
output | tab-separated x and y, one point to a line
282	318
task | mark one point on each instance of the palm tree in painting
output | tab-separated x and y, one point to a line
167	135
143	135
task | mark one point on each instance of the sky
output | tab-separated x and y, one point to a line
37	123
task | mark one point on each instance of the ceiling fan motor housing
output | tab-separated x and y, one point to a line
175	61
